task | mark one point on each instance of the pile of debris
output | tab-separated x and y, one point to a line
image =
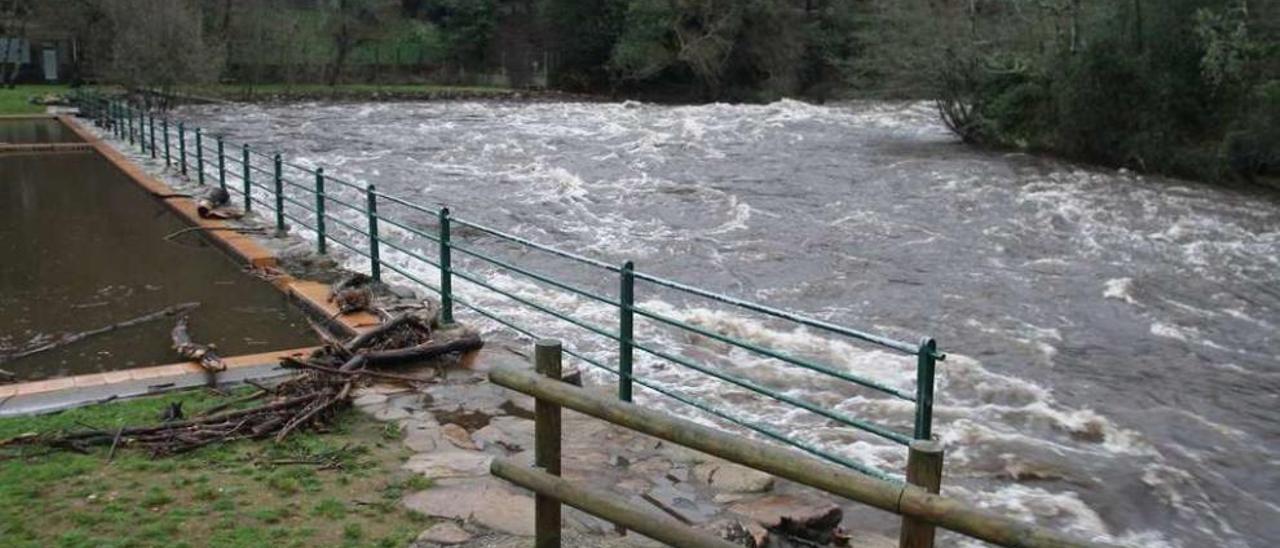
308	401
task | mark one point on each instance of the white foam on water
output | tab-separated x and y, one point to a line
996	425
1120	289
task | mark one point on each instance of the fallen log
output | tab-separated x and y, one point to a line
383	331
423	352
170	311
303	364
203	354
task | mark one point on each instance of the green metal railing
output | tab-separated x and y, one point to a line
381	231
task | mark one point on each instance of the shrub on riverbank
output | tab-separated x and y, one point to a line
1192	90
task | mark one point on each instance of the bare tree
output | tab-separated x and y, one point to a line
351	24
159	44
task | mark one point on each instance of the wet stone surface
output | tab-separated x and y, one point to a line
458	425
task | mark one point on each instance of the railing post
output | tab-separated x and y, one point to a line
164	124
321	246
924	469
222	165
129	116
279	181
375	261
200	154
548	357
446	270
152	130
246	177
142	130
626	317
925	361
182	146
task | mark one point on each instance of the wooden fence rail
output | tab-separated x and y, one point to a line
920	508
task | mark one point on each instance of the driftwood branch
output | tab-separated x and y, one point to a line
237	229
424	352
64	341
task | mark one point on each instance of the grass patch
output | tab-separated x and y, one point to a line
17	100
223	495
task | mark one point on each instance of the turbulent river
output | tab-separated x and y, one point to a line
1112	338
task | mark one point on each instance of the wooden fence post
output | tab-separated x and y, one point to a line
924	468
546	416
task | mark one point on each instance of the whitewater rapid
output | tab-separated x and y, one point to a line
1111	337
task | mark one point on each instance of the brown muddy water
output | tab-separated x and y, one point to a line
35	131
82	247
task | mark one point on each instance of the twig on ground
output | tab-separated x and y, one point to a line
240	229
170	311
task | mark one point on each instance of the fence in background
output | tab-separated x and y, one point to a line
302	196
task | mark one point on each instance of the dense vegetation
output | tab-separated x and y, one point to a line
1190	87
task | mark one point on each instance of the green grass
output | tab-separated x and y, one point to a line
16	101
222	495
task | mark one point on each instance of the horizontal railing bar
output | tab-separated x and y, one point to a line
777	355
262	170
307	170
253	151
804	320
607	505
300	205
232	158
534	275
904	499
413	230
535	245
535	306
752	386
765	431
412	277
349	226
255	184
341	181
262	203
358	251
299	222
410	253
330	198
695	403
407	203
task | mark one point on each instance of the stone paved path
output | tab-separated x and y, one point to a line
458	425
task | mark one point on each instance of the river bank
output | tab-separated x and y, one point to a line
292	93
